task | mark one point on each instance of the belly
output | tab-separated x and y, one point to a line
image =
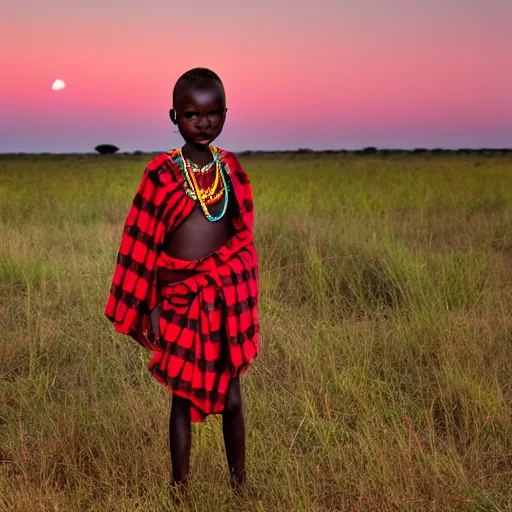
197	236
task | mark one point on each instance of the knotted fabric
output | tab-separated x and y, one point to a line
208	325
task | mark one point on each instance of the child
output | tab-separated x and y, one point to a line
186	280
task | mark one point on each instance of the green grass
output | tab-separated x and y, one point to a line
383	382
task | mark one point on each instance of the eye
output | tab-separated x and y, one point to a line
190	115
216	112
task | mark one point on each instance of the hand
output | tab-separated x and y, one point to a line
155	320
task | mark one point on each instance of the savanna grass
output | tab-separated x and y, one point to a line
384	378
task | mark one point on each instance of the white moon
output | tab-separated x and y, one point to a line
58	85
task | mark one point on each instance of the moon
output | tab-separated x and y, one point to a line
58	85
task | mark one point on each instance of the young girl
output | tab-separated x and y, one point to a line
186	280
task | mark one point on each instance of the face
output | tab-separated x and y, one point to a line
201	113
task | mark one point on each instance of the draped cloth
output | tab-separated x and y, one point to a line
209	329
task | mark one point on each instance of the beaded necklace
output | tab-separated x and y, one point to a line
209	195
202	170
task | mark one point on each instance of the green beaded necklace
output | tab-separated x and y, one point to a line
191	189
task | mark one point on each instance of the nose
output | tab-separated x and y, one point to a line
203	122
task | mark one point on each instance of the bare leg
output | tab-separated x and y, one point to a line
180	439
233	429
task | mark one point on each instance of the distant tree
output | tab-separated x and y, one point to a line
106	149
370	150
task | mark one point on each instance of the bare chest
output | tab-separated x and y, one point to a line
197	236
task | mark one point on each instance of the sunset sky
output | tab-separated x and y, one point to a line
318	74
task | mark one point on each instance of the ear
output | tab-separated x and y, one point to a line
226	111
173	116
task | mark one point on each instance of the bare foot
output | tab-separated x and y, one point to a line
236	482
178	491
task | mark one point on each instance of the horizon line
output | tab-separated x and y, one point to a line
303	150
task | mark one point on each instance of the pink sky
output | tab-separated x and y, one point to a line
322	74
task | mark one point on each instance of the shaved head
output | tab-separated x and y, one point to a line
199	106
197	78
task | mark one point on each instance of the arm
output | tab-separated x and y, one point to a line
133	294
242	188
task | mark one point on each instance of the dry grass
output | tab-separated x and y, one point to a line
384	379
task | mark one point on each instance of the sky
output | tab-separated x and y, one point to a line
322	74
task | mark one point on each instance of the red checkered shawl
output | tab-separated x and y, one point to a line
222	299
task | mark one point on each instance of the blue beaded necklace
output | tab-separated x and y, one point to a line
192	193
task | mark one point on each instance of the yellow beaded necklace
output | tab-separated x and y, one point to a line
209	195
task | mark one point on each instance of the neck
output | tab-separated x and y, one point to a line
200	155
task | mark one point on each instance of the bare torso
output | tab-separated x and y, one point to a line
197	237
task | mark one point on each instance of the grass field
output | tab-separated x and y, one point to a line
384	381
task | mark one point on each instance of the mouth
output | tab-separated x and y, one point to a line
203	139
